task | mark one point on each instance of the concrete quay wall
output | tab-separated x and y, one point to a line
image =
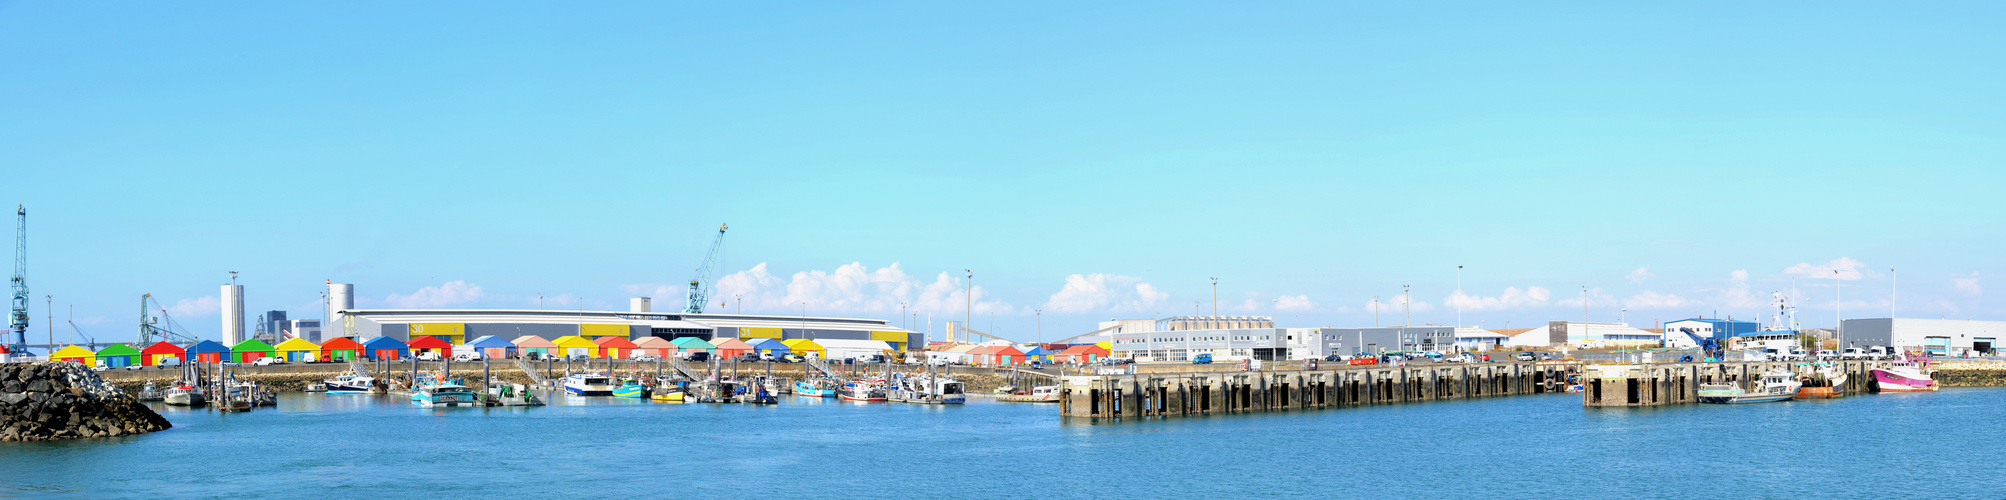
1160	394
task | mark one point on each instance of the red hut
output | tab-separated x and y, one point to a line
152	354
340	348
614	347
428	343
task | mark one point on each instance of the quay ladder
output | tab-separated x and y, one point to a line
686	370
532	372
823	366
359	368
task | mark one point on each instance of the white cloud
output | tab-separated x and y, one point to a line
196	308
1655	300
1846	269
850	288
1639	275
1736	295
1393	305
452	293
1738	275
1296	303
1968	284
1100	292
1512	298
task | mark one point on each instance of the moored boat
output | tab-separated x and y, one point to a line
1912	375
1039	394
1775	385
185	395
449	394
349	383
818	388
630	388
863	390
1826	382
588	384
151	393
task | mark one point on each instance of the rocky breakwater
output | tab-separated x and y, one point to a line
1971	373
62	400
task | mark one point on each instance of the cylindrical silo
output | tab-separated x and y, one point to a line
340	297
637	304
233	314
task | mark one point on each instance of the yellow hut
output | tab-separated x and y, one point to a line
80	355
297	350
804	346
573	345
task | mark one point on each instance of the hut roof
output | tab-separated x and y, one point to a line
251	345
72	352
1085	349
963	348
767	344
489	341
207	346
340	344
614	342
570	341
428	342
383	343
117	350
296	344
163	347
692	342
533	341
653	343
1036	351
730	343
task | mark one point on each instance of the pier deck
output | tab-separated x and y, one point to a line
1205	393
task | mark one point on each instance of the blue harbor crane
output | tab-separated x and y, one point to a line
18	321
1708	344
701	284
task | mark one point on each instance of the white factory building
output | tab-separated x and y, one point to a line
1583	335
1941	337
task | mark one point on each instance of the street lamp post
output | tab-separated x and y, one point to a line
1215	299
968	310
1459	296
1407	302
738	300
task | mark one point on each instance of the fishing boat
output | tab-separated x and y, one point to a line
512	395
318	387
588	384
818	388
921	389
234	406
1776	385
670	394
630	388
349	383
863	390
756	393
151	393
446	394
1038	394
1911	375
185	395
1825	382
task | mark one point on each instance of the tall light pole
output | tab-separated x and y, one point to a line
1584	303
968	311
902	323
1040	313
1375	311
1893	280
1459	296
1624	315
1836	304
1407	301
1215	299
539	301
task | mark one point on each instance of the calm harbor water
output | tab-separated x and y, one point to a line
1876	446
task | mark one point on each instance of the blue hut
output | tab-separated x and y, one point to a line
209	351
385	348
768	346
492	347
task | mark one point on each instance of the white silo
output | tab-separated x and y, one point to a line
233	314
638	304
340	297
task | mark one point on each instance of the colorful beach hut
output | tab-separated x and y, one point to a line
1037	354
492	347
118	356
153	354
573	345
534	346
806	348
655	346
614	347
428	343
340	348
75	354
385	348
767	346
297	350
250	350
208	351
692	344
1085	353
729	347
996	355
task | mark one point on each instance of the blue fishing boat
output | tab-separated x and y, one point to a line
448	394
818	388
630	388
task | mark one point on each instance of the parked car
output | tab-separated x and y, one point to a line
134	367
1461	358
267	362
1525	356
645	357
428	356
793	358
696	356
579	357
1202	359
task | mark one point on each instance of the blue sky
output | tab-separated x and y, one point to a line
1090	161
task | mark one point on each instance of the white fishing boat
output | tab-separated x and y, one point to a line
921	389
588	384
151	393
863	390
450	394
1775	385
512	395
186	395
349	383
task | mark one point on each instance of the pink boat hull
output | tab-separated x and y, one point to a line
1895	382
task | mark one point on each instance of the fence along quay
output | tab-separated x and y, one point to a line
1142	395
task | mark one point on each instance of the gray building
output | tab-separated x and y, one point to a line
1942	337
1271	344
